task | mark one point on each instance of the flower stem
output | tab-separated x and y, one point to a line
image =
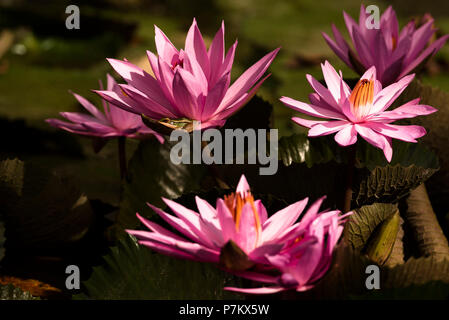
122	157
352	152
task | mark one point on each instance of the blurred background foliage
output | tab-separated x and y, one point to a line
41	60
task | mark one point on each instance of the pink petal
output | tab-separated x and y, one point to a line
191	218
180	225
240	102
362	48
194	249
263	290
332	80
152	58
409	110
247	234
376	139
311	110
153	108
79	117
91	108
326	128
263	215
340	50
347	136
388	95
404	133
229	59
324	93
208	216
307	123
184	96
156	228
165	49
312	212
259	253
419	40
215	96
226	220
248	79
243	186
70	127
195	47
216	55
167	250
142	81
124	102
309	259
431	50
350	24
281	220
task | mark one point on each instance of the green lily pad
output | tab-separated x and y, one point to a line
132	271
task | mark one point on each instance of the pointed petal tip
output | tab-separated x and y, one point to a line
243	186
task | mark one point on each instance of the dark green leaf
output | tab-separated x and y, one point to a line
51	211
11	178
436	138
299	149
132	271
364	221
376	179
152	175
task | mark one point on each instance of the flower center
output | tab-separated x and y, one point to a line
235	204
178	62
363	94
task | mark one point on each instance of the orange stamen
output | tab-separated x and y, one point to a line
235	204
362	94
394	42
238	210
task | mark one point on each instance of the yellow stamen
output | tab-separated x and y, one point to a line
362	94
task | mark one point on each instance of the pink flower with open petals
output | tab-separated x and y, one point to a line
114	122
305	258
362	110
394	54
191	83
238	218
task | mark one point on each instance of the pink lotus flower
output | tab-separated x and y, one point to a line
237	218
305	258
114	122
394	54
192	83
360	111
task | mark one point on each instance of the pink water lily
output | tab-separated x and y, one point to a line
238	218
362	110
305	258
113	122
191	83
394	54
